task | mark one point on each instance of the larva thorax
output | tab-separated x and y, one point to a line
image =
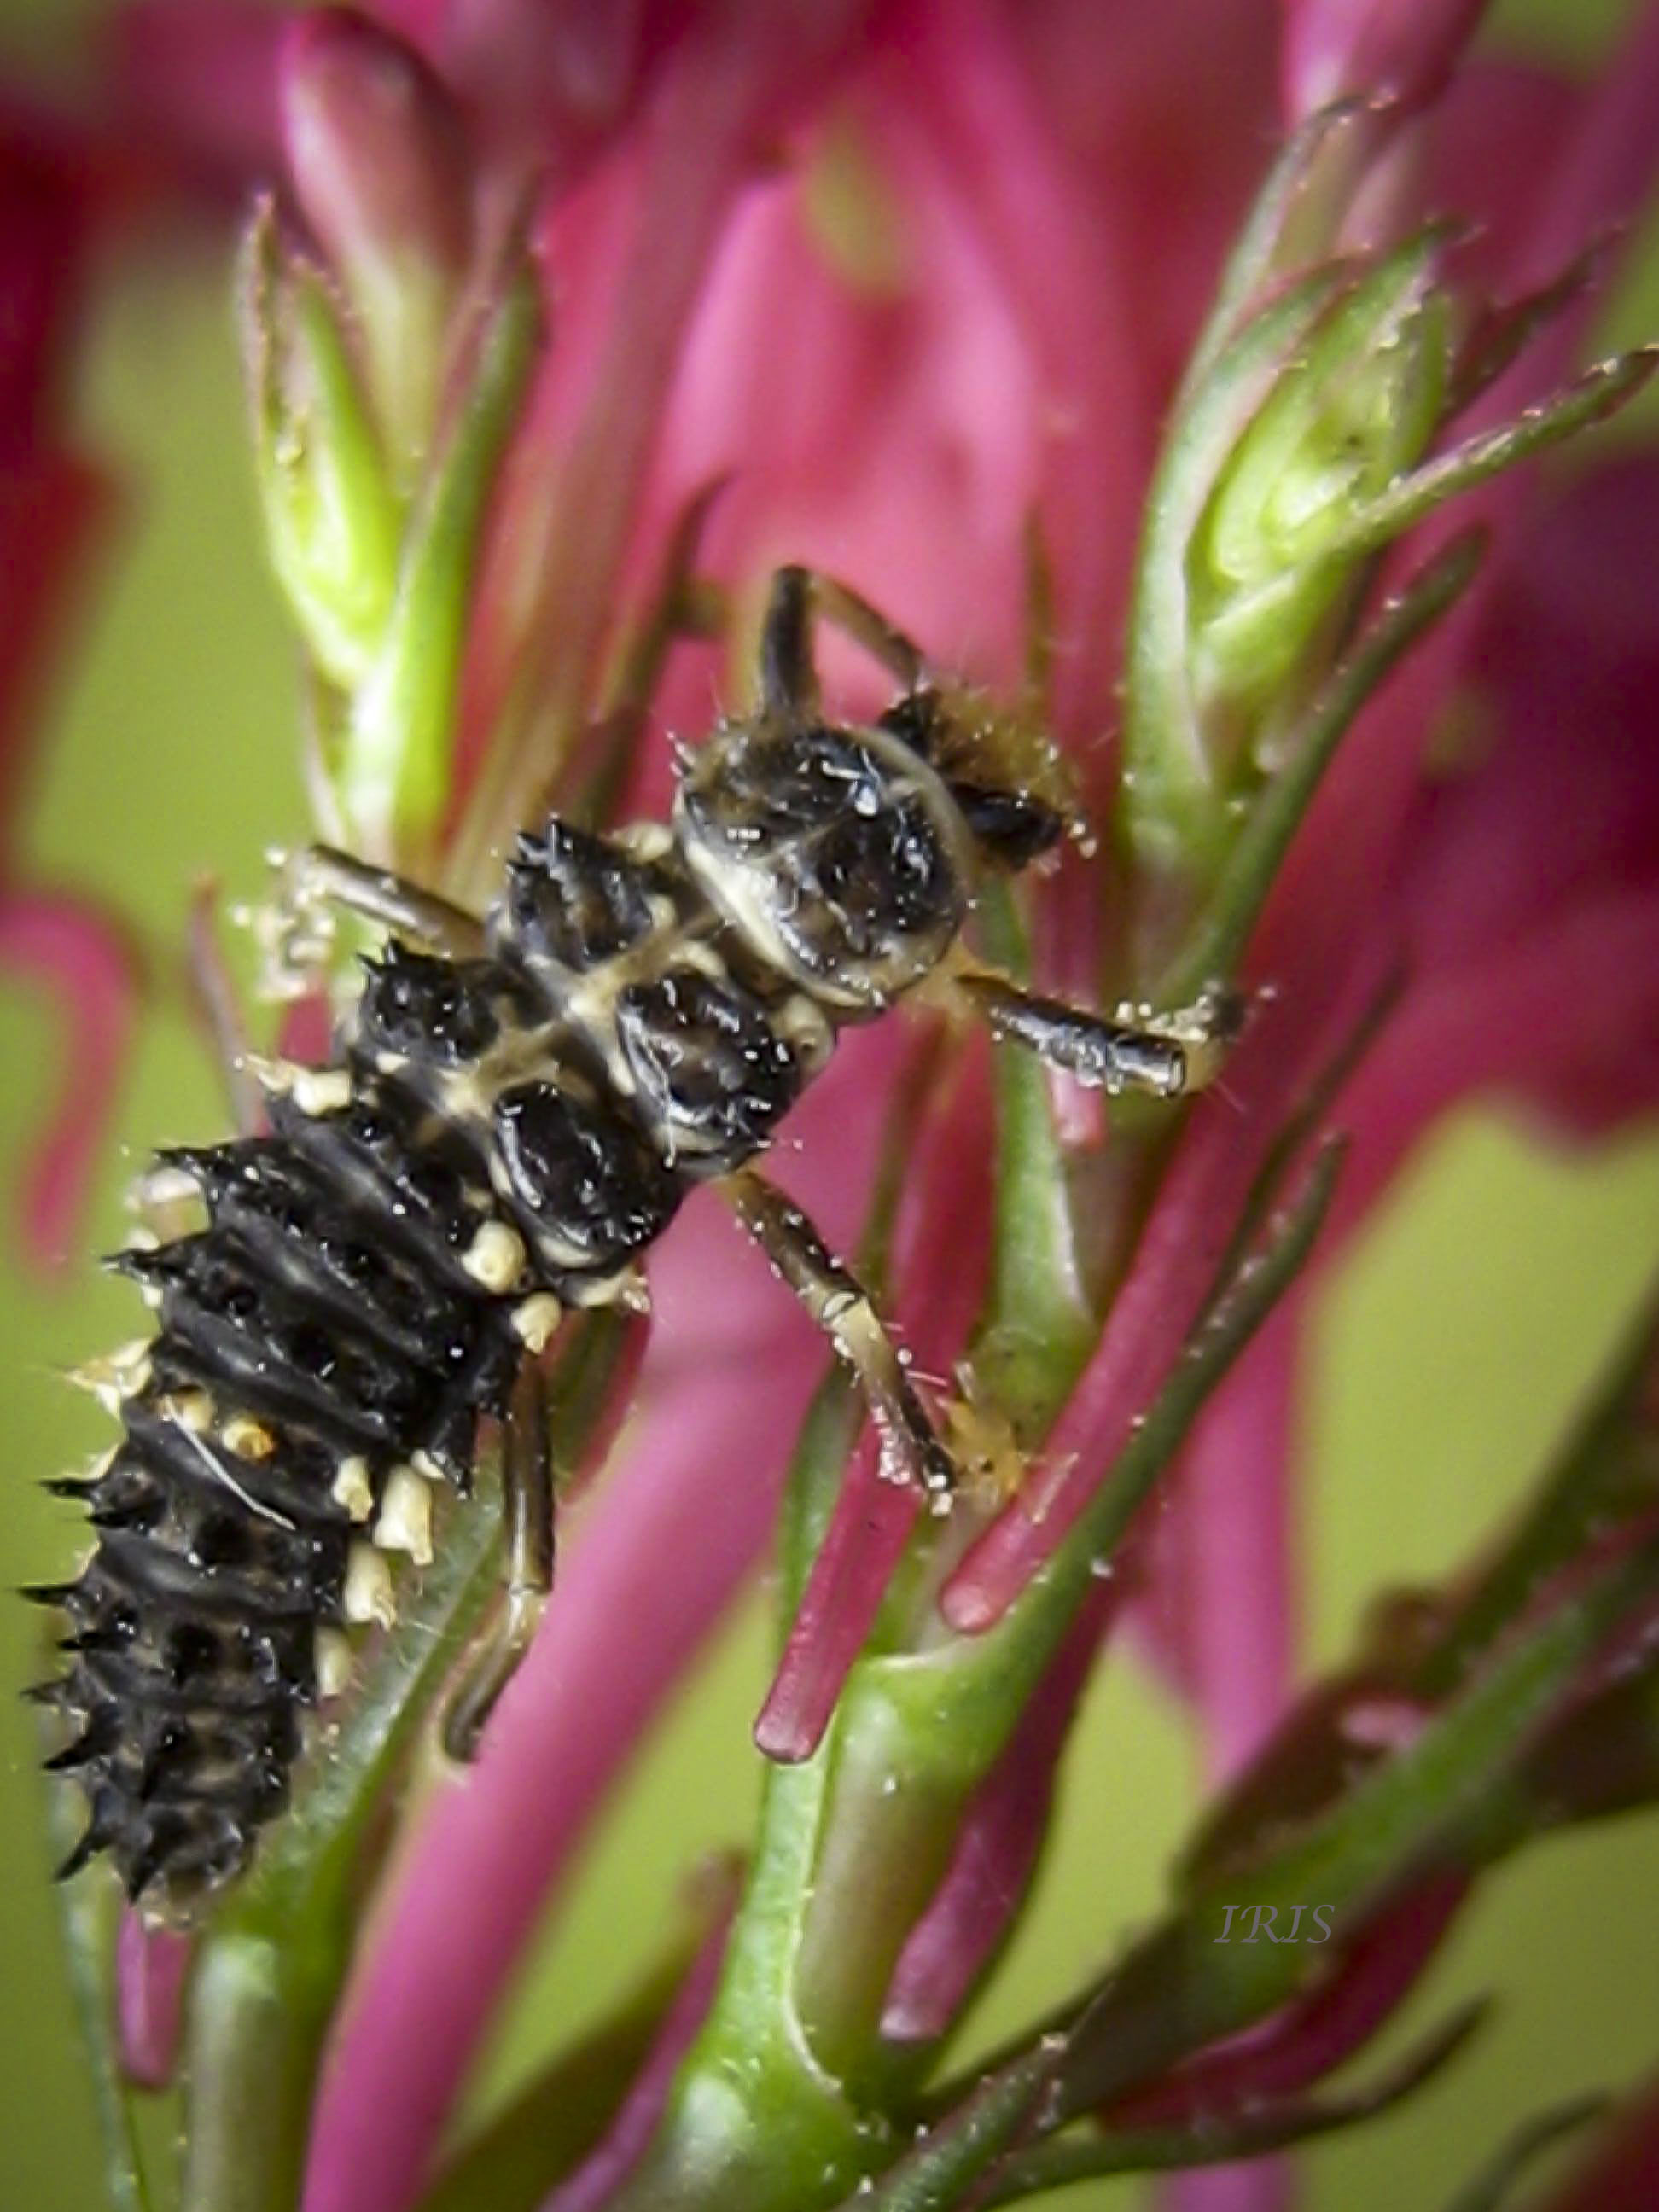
497	1137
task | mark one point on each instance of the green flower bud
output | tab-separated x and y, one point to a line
383	174
1358	405
332	522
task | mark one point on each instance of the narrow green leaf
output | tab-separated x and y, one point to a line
1221	2137
1488	2190
945	2161
1181	1988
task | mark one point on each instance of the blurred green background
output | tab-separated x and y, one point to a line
1453	1347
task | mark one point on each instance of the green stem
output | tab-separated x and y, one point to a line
91	1909
272	1968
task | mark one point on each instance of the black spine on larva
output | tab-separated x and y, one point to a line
322	1316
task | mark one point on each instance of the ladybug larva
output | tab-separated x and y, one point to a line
516	1108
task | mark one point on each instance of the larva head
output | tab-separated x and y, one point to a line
837	852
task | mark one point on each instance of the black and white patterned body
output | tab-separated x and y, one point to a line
517	1106
499	1136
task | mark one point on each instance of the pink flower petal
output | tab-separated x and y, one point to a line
1221	1603
1334	48
588	2189
151	1965
194	83
953	1944
940	1249
89	972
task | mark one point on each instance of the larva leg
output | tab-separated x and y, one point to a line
318	876
1166	1055
800	597
842	1307
528	1549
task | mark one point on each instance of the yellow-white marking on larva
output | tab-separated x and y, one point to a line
351	1487
192	1434
646	840
274	1076
496	1257
426	1467
405	1521
800	1021
368	1595
187	1409
116	1377
535	1320
248	1438
164	1184
322	1090
332	1656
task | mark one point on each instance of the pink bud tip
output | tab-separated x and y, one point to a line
1404	49
151	1965
376	145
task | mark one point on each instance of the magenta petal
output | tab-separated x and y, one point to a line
1220	1572
151	1965
1333	48
940	1250
955	1941
865	1542
1474	1028
588	2188
1171	1276
1313	2035
89	970
195	83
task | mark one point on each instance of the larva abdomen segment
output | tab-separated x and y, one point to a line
324	1352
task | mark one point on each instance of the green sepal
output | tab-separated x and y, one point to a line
395	756
1216	946
1357	404
331	519
1375	521
1173	808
